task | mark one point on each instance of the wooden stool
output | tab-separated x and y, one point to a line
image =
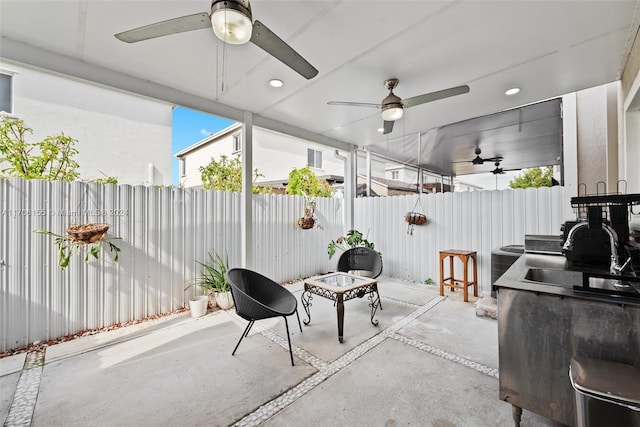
450	281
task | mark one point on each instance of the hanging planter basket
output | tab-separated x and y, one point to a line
415	218
87	233
306	223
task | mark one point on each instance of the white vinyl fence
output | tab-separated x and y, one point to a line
475	221
164	231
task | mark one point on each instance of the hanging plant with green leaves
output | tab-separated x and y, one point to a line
84	239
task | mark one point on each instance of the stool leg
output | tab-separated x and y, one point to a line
475	276
465	262
441	275
451	273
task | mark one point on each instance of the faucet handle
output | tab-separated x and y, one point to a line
620	268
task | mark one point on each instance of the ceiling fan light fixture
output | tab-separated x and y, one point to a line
231	22
392	111
392	105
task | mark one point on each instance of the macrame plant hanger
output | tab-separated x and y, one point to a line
416	217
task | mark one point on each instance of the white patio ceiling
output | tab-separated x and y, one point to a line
546	48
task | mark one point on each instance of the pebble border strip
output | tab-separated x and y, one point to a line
24	399
325	370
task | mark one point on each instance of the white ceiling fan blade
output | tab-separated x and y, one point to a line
388	127
434	96
354	104
266	40
197	21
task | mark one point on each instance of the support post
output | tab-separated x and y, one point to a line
246	201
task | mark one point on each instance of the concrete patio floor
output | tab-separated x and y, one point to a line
430	362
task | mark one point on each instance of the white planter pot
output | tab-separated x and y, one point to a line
212	300
198	305
224	300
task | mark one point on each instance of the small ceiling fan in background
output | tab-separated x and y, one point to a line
232	22
498	169
392	106
480	160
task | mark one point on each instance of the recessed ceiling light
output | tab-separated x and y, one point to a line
380	130
512	91
276	83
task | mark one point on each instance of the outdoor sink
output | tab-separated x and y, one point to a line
565	278
570	278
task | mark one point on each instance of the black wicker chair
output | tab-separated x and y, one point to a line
361	258
257	297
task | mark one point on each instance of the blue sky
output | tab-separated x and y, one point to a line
189	127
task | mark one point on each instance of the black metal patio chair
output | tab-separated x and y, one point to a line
360	259
257	297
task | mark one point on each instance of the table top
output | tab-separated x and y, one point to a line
340	282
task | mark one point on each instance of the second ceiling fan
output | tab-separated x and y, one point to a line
480	160
232	22
392	106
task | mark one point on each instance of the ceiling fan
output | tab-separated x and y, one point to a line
231	21
480	160
392	106
498	169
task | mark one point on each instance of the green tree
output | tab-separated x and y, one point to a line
226	175
533	178
304	182
49	159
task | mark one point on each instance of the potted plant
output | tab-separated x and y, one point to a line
213	281
80	237
198	305
354	238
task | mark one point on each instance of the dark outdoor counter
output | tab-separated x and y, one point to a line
541	326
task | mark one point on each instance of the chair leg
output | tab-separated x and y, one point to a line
249	326
244	334
286	324
299	324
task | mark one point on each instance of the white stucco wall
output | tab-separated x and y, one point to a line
276	154
630	150
119	134
591	113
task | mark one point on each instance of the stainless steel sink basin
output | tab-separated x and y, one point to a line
569	279
565	278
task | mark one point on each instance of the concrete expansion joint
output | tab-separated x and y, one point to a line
24	399
492	372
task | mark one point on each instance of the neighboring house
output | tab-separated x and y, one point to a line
406	175
392	187
119	134
274	156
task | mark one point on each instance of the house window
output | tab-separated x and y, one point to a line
314	158
237	142
395	175
183	166
6	93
